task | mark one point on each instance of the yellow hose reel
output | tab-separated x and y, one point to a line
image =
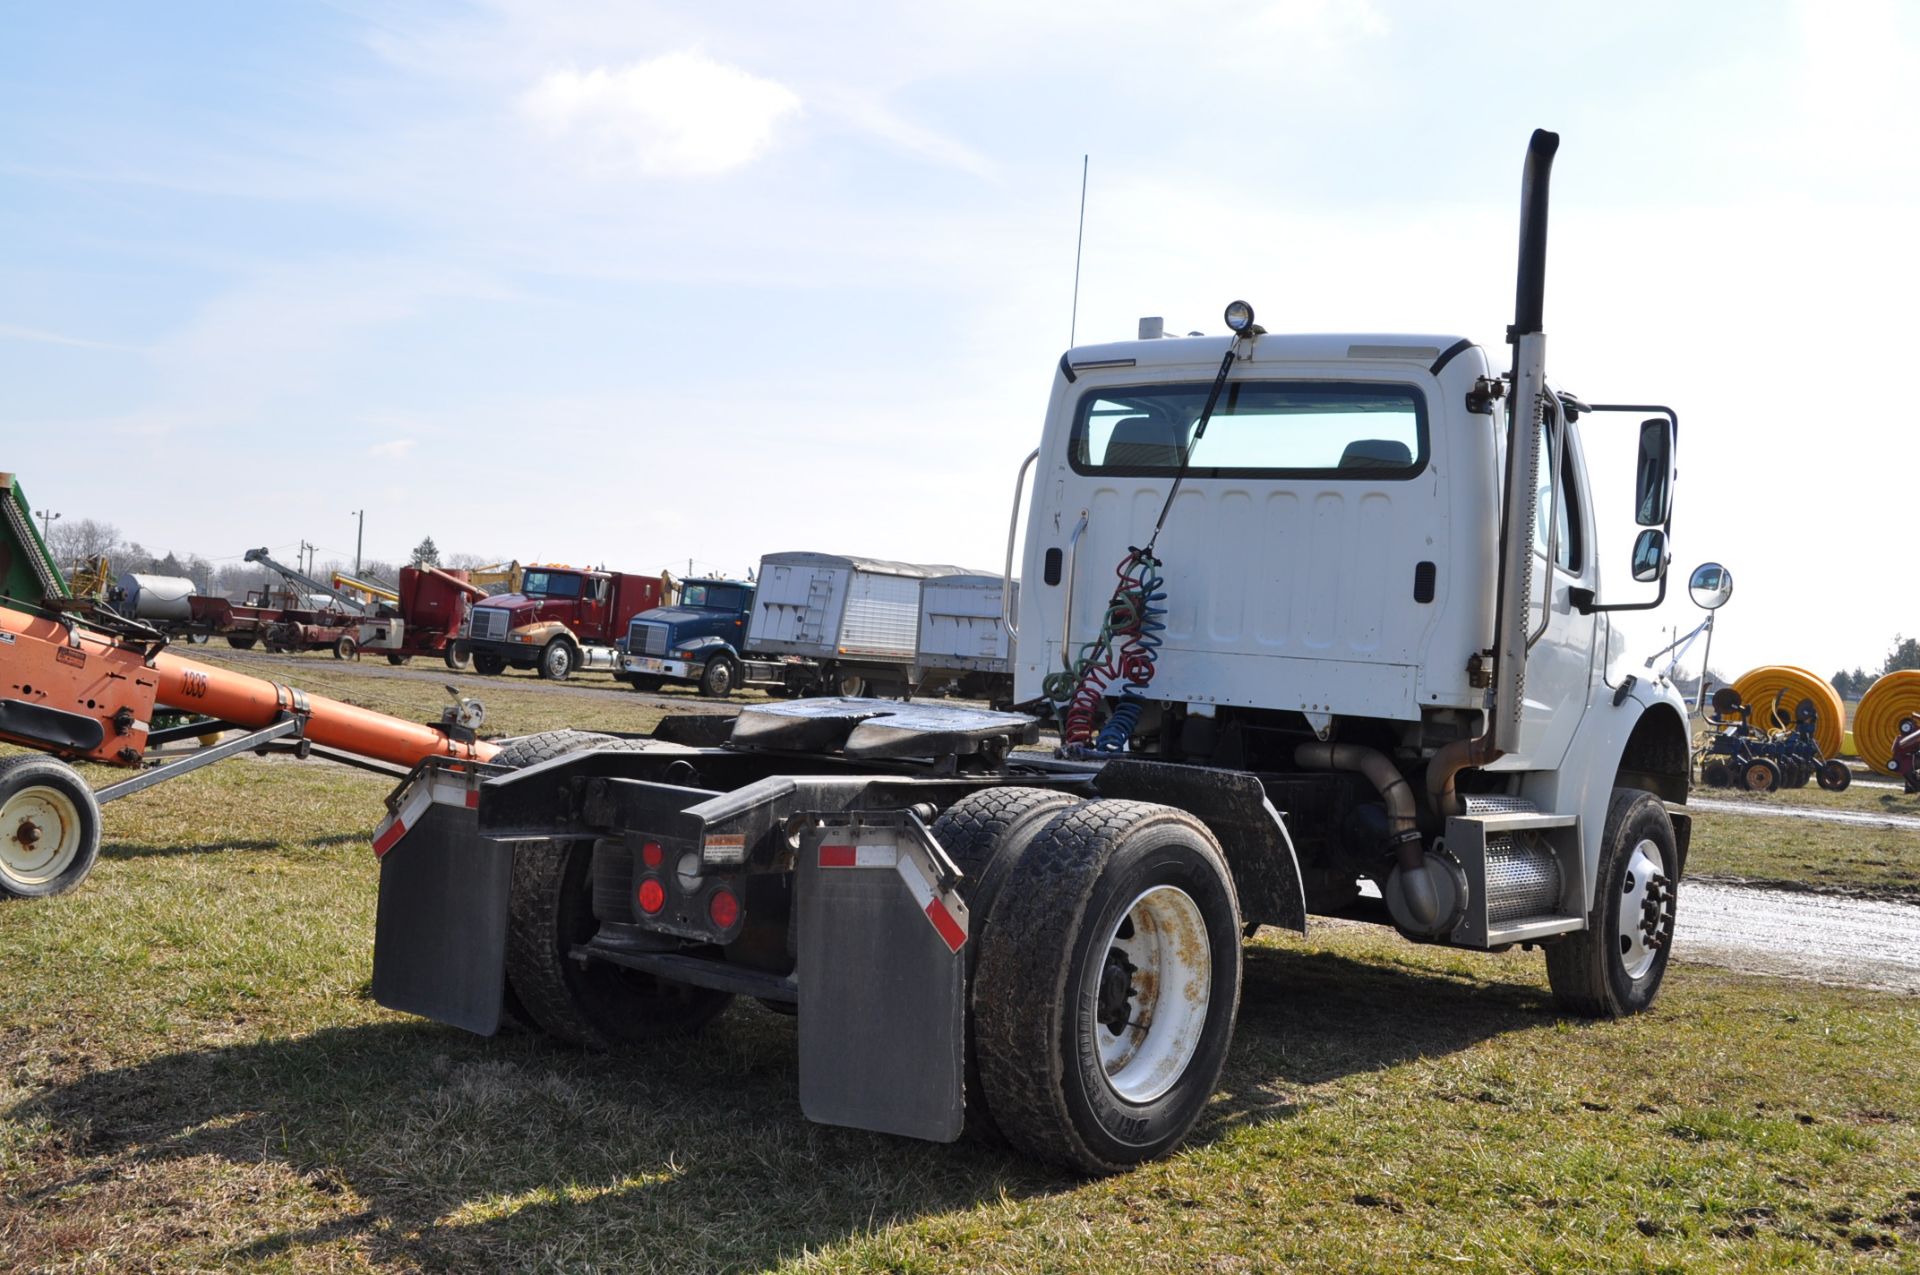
1876	723
1774	691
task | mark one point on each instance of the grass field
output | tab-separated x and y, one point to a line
1807	854
193	1075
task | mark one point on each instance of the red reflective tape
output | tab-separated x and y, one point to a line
473	799
950	931
389	838
836	856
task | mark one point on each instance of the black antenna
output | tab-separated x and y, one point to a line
1079	239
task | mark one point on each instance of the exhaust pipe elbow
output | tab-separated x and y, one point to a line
1379	770
1447	765
1416	885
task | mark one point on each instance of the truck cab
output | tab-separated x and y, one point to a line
562	619
700	640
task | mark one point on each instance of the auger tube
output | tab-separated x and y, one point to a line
107	678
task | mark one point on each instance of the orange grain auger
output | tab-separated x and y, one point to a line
82	694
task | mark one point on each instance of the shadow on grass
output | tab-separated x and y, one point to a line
686	1155
137	850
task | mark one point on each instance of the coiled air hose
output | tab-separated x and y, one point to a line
1122	656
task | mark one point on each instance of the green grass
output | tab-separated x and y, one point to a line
192	1075
1806	853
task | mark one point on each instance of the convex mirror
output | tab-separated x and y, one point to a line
1710	585
1650	555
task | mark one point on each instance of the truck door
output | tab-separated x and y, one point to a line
595	594
1560	662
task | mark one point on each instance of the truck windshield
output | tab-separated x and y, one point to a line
1268	429
551	584
721	597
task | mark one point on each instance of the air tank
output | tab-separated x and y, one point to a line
148	597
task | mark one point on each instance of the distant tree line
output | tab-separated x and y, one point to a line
76	542
1904	655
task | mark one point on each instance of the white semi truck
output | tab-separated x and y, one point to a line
1322	624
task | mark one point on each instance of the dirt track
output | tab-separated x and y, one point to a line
1856	942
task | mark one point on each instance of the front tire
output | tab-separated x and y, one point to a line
49	827
1760	774
241	643
720	678
1836	775
344	648
1615	966
556	660
1108	986
487	664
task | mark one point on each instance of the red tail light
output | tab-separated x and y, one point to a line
723	909
653	895
652	855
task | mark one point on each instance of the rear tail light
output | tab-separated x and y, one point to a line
652	895
723	909
652	855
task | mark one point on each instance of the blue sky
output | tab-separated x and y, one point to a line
637	283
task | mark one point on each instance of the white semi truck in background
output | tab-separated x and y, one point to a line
1322	621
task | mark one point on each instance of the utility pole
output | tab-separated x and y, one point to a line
47	520
306	557
359	538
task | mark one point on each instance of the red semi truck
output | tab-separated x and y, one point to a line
563	618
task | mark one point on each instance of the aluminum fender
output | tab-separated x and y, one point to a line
1651	720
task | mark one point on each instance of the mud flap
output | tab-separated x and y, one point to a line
882	971
440	934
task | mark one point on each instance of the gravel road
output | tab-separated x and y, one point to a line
1855	942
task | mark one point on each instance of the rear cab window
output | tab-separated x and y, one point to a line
1271	429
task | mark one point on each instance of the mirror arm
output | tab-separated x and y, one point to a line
1583	600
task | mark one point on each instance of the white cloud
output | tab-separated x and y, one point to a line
678	115
393	449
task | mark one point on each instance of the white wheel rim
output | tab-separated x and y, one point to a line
39	835
1645	906
1163	939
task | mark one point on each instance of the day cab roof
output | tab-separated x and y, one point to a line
1373	350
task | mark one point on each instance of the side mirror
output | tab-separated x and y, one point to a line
1710	586
1653	485
1650	555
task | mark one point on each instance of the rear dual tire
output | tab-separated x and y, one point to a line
1107	986
597	1005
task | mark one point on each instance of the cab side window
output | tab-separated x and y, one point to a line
1562	498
